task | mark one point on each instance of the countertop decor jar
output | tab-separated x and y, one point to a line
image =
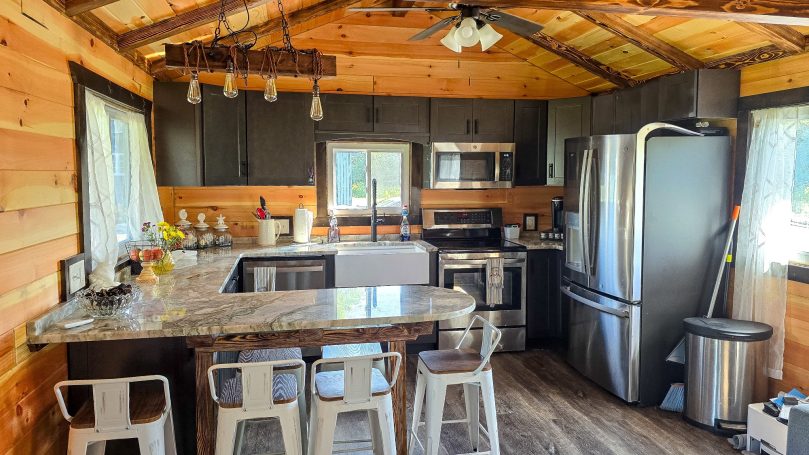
222	235
190	240
205	237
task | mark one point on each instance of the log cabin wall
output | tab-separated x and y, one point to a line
784	74
237	203
38	204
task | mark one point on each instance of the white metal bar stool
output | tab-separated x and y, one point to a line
358	386
113	414
437	370
256	392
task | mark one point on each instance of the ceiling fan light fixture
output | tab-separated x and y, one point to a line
488	37
449	41
467	34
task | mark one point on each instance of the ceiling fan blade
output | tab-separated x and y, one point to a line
394	10
516	24
430	31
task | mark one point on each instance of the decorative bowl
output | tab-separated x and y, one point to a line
108	303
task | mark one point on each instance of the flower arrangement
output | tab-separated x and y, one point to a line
166	238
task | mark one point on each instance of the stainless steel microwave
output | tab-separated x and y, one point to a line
472	165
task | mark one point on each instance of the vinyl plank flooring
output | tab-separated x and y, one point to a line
544	407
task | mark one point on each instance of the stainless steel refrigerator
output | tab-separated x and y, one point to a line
644	217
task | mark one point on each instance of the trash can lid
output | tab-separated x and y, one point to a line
728	329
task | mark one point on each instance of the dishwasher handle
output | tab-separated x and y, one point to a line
595	305
299	269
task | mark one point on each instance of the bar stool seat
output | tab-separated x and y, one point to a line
449	361
331	384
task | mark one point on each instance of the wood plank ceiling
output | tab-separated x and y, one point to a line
595	47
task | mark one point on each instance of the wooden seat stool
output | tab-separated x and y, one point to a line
439	369
113	414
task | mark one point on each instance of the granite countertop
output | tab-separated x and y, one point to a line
189	302
533	242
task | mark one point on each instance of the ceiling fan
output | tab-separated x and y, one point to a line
470	26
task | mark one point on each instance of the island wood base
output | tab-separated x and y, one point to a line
205	346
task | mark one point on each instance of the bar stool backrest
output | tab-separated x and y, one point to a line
257	382
489	341
357	375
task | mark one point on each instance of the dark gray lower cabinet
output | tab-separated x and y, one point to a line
280	139
178	148
530	138
544	312
223	137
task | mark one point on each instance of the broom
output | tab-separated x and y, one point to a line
675	397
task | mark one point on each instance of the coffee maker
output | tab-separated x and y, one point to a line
557	222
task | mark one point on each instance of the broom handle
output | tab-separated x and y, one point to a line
733	222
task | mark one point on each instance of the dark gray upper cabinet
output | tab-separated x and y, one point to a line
450	120
530	137
223	137
604	114
352	113
649	102
177	132
401	114
628	112
493	120
280	139
706	93
567	118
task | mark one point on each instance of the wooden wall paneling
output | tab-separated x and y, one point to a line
784	74
37	225
27	151
27	265
796	340
26	189
26	112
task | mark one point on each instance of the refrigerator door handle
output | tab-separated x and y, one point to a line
592	250
584	209
603	308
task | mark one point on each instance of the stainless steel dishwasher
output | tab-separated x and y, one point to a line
284	275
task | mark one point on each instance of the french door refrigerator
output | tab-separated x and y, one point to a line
645	216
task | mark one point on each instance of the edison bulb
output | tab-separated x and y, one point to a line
316	112
230	89
194	96
270	92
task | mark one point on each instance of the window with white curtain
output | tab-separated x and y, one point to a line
121	173
800	190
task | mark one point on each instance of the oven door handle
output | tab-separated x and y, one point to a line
465	263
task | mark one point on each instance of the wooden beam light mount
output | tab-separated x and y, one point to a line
287	64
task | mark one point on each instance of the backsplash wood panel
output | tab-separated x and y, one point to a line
796	341
238	203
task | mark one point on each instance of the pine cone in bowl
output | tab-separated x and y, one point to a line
109	302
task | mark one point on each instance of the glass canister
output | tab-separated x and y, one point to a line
205	237
222	235
190	240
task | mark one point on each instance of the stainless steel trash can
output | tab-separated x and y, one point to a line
726	370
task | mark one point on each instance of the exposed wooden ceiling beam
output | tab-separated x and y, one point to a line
751	57
182	22
286	65
74	7
786	38
785	12
646	41
576	57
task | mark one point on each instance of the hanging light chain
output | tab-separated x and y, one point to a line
285	27
198	47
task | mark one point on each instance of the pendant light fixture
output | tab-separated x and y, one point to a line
270	91
229	89
316	111
470	31
194	95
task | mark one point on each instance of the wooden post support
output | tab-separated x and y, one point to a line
206	408
400	397
286	65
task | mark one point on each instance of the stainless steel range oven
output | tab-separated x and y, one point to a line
473	258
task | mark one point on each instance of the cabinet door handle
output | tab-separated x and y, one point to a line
243	168
467	126
550	170
476	126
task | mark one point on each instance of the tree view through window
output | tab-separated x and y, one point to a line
353	168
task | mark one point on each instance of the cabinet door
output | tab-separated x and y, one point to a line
350	113
567	118
450	120
530	137
493	120
401	114
677	96
177	136
649	102
543	296
604	114
628	111
280	139
223	137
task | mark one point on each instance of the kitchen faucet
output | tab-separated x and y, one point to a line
374	220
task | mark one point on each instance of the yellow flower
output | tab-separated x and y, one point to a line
163	224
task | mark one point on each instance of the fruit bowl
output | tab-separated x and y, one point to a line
108	303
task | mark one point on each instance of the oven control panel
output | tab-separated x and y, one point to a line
483	217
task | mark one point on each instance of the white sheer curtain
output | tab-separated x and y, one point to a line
764	249
144	204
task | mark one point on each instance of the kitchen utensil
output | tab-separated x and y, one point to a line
263	203
268	232
261	214
302	225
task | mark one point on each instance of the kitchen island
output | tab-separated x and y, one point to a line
189	303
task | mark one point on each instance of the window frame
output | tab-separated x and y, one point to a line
118	113
404	148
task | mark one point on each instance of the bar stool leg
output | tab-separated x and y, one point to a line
418	402
226	433
151	440
300	375
385	425
376	431
471	395
437	391
76	444
487	384
168	436
290	426
326	423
